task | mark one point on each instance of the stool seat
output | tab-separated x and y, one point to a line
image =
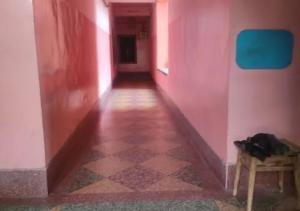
275	163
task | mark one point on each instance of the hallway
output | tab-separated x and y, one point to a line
139	150
140	159
137	104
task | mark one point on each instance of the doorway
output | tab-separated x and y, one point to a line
131	42
127	49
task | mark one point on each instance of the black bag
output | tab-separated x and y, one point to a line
263	145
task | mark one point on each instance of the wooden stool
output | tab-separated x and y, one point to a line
278	164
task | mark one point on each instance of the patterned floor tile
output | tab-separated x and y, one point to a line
172	184
176	205
184	153
268	202
110	148
160	131
112	137
159	146
180	139
58	208
224	206
83	177
189	174
165	164
150	125
92	155
118	125
137	177
138	139
108	166
27	208
138	146
289	203
104	186
136	155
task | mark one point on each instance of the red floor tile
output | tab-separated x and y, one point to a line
139	149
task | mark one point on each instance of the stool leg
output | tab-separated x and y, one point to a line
237	174
252	174
297	181
281	181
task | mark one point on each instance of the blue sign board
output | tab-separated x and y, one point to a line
264	49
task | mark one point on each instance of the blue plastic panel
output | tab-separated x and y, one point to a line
264	49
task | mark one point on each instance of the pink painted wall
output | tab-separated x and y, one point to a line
131	1
21	130
162	24
264	101
131	9
74	64
153	40
199	65
122	26
97	12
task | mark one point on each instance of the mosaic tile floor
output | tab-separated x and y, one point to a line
139	149
140	160
230	204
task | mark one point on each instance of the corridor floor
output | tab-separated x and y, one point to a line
139	152
140	160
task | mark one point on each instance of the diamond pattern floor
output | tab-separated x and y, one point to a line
139	148
140	160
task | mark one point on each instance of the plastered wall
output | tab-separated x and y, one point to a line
21	130
162	37
74	64
199	65
264	100
222	101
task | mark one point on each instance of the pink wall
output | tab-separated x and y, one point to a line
131	9
21	131
73	50
199	63
264	101
153	40
162	24
97	12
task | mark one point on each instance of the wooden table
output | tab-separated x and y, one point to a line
280	164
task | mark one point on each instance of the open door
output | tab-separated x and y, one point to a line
127	49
